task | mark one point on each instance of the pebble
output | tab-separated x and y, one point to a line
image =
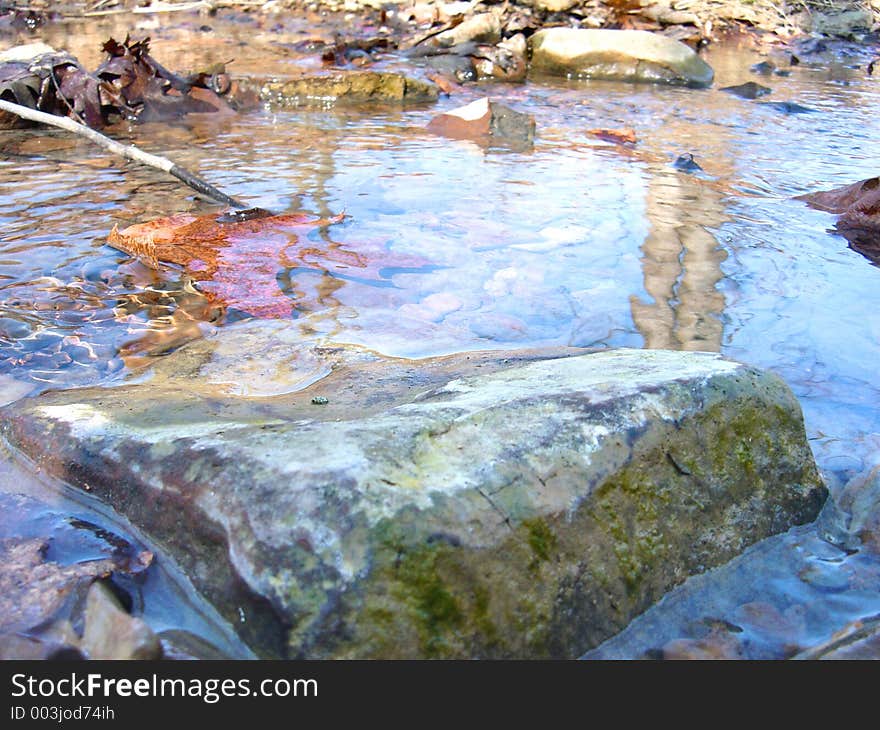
13	328
433	307
498	327
111	633
686	163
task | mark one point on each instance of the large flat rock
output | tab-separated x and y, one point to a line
619	55
489	504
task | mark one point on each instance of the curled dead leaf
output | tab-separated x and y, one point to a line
858	209
625	135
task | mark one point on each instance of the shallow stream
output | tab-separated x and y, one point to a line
577	241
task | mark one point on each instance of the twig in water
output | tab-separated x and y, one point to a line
128	151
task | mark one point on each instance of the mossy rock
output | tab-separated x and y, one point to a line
482	505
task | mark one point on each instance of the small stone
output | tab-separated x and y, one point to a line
485	122
861	499
433	308
749	90
111	633
765	68
13	328
686	163
482	28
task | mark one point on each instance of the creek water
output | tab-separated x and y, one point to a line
575	241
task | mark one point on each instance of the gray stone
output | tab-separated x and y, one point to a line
748	90
623	55
844	24
492	504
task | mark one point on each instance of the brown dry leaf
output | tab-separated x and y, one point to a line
864	195
626	135
237	262
141	87
858	210
446	83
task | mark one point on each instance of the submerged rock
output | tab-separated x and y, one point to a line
524	504
344	86
623	55
764	68
748	90
686	163
787	107
860	504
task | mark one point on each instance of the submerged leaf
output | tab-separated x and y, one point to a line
626	135
237	262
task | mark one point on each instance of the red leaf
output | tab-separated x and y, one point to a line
237	263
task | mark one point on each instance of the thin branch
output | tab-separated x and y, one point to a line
128	151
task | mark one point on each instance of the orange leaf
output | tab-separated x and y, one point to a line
237	262
627	135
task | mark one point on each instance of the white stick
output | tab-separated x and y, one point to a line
128	151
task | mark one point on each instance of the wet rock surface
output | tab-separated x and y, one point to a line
51	572
341	87
621	55
791	596
749	90
483	505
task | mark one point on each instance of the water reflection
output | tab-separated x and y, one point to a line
682	265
